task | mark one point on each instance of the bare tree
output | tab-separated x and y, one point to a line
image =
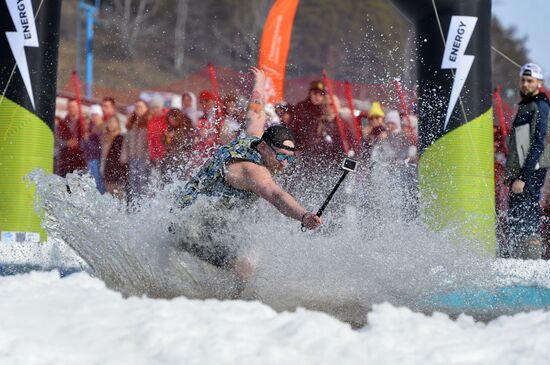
128	20
247	19
182	11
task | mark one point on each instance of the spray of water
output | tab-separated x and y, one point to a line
370	249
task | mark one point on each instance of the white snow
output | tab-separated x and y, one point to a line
77	320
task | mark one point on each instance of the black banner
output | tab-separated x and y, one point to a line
455	79
29	40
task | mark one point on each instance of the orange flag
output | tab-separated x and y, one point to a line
274	47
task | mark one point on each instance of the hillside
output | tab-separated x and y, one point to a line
360	41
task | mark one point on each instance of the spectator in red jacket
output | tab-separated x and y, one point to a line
206	125
155	130
68	136
314	125
307	114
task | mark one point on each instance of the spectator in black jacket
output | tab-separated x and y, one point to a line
528	160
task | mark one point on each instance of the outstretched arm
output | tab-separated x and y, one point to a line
255	122
257	179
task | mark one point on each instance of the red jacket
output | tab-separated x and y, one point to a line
69	159
155	132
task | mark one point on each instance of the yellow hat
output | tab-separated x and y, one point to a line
376	110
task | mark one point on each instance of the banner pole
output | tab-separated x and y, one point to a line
79	102
354	118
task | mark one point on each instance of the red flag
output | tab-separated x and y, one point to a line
79	102
401	95
354	118
405	108
501	119
274	47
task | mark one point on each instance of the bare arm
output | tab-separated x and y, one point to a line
248	176
255	121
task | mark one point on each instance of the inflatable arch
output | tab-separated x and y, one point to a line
455	129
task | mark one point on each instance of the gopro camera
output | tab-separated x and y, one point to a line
349	164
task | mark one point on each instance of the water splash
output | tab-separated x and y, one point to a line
368	252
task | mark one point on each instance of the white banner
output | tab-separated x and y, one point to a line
458	37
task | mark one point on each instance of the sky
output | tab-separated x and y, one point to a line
530	17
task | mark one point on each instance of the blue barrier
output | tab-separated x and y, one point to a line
16	269
500	298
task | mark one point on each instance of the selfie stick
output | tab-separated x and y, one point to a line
329	197
348	165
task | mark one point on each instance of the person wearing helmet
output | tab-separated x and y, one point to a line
528	160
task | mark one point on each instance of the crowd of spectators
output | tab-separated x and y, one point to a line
168	143
165	143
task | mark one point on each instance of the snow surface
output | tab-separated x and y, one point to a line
46	319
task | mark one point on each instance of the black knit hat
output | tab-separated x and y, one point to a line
276	135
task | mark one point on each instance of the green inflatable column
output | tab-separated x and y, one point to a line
29	39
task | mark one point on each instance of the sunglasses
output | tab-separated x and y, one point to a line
281	156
